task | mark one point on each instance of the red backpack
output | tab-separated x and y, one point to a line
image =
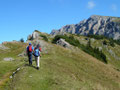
30	49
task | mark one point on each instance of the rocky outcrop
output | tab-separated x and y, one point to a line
63	43
33	36
8	59
97	25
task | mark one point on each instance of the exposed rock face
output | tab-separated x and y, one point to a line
63	43
97	25
33	36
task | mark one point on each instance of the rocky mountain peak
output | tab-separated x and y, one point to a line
96	24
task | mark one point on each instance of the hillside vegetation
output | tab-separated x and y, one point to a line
7	67
87	48
66	69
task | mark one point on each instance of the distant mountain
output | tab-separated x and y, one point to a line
97	25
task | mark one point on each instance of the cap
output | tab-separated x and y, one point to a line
30	44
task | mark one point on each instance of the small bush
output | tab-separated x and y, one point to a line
104	42
37	31
112	43
116	41
98	37
44	37
22	40
95	52
69	39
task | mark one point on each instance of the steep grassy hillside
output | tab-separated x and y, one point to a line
111	52
61	68
64	69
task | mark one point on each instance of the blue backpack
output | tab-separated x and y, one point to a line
36	53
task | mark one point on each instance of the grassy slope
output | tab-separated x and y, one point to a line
63	69
98	43
7	67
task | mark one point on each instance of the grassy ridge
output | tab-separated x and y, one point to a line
63	69
110	50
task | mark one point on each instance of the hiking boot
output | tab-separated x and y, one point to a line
37	68
30	64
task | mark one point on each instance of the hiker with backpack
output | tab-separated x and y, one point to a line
37	54
30	49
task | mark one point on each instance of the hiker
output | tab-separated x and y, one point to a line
37	54
29	51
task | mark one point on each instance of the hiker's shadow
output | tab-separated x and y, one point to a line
30	66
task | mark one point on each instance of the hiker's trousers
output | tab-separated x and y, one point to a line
30	58
37	59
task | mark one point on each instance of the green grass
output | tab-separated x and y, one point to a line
87	48
63	69
44	37
99	43
7	67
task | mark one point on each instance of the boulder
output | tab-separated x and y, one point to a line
8	59
100	48
33	36
92	39
63	43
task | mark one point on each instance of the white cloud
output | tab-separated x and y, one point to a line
91	5
114	7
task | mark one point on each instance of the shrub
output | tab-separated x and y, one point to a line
22	40
89	43
88	48
117	41
56	38
69	39
44	37
104	42
98	37
95	52
37	31
112	43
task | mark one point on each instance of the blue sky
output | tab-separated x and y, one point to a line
19	18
